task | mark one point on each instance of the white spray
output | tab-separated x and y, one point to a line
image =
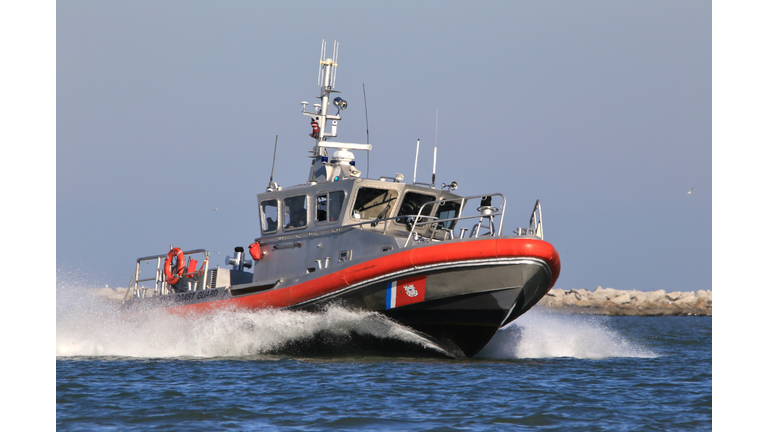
539	334
92	325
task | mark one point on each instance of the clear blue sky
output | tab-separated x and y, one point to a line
600	109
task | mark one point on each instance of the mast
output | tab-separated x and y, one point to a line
342	165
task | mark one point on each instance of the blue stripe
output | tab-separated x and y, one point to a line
390	286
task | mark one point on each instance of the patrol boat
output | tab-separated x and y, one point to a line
421	255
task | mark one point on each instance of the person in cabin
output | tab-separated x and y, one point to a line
297	213
298	219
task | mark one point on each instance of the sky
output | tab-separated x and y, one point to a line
600	109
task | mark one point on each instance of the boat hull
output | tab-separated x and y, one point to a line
455	294
459	305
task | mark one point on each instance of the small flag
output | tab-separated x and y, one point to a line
406	291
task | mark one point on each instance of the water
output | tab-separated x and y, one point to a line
545	372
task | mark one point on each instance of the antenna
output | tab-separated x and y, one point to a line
320	68
273	164
367	138
434	166
434	158
335	59
417	161
436	112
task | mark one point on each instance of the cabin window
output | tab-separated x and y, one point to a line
411	205
329	206
373	203
295	212
447	210
269	216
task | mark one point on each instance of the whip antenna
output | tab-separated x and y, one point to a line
322	55
367	138
335	60
434	158
434	165
271	183
415	164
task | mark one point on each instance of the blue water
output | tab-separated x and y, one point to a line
545	372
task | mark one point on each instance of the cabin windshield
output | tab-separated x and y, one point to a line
412	202
447	210
372	203
269	216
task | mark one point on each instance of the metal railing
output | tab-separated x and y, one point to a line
160	283
535	224
488	213
488	216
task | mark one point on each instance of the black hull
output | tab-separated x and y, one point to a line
464	307
465	322
455	327
327	344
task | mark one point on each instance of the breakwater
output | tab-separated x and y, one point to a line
601	301
609	301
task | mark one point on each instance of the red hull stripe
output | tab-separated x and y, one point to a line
400	261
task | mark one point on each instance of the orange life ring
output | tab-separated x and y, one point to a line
172	275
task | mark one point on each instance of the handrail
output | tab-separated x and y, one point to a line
490	214
338	227
160	281
194	251
536	225
429	219
130	288
318	230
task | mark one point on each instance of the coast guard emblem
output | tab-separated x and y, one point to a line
406	291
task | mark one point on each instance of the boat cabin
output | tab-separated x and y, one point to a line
381	206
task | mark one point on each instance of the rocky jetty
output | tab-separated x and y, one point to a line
601	301
609	301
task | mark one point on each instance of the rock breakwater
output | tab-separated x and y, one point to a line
601	301
609	301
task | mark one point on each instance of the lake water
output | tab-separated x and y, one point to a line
547	371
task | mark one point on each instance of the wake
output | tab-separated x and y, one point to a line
92	325
539	334
89	325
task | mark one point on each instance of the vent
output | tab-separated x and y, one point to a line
214	272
